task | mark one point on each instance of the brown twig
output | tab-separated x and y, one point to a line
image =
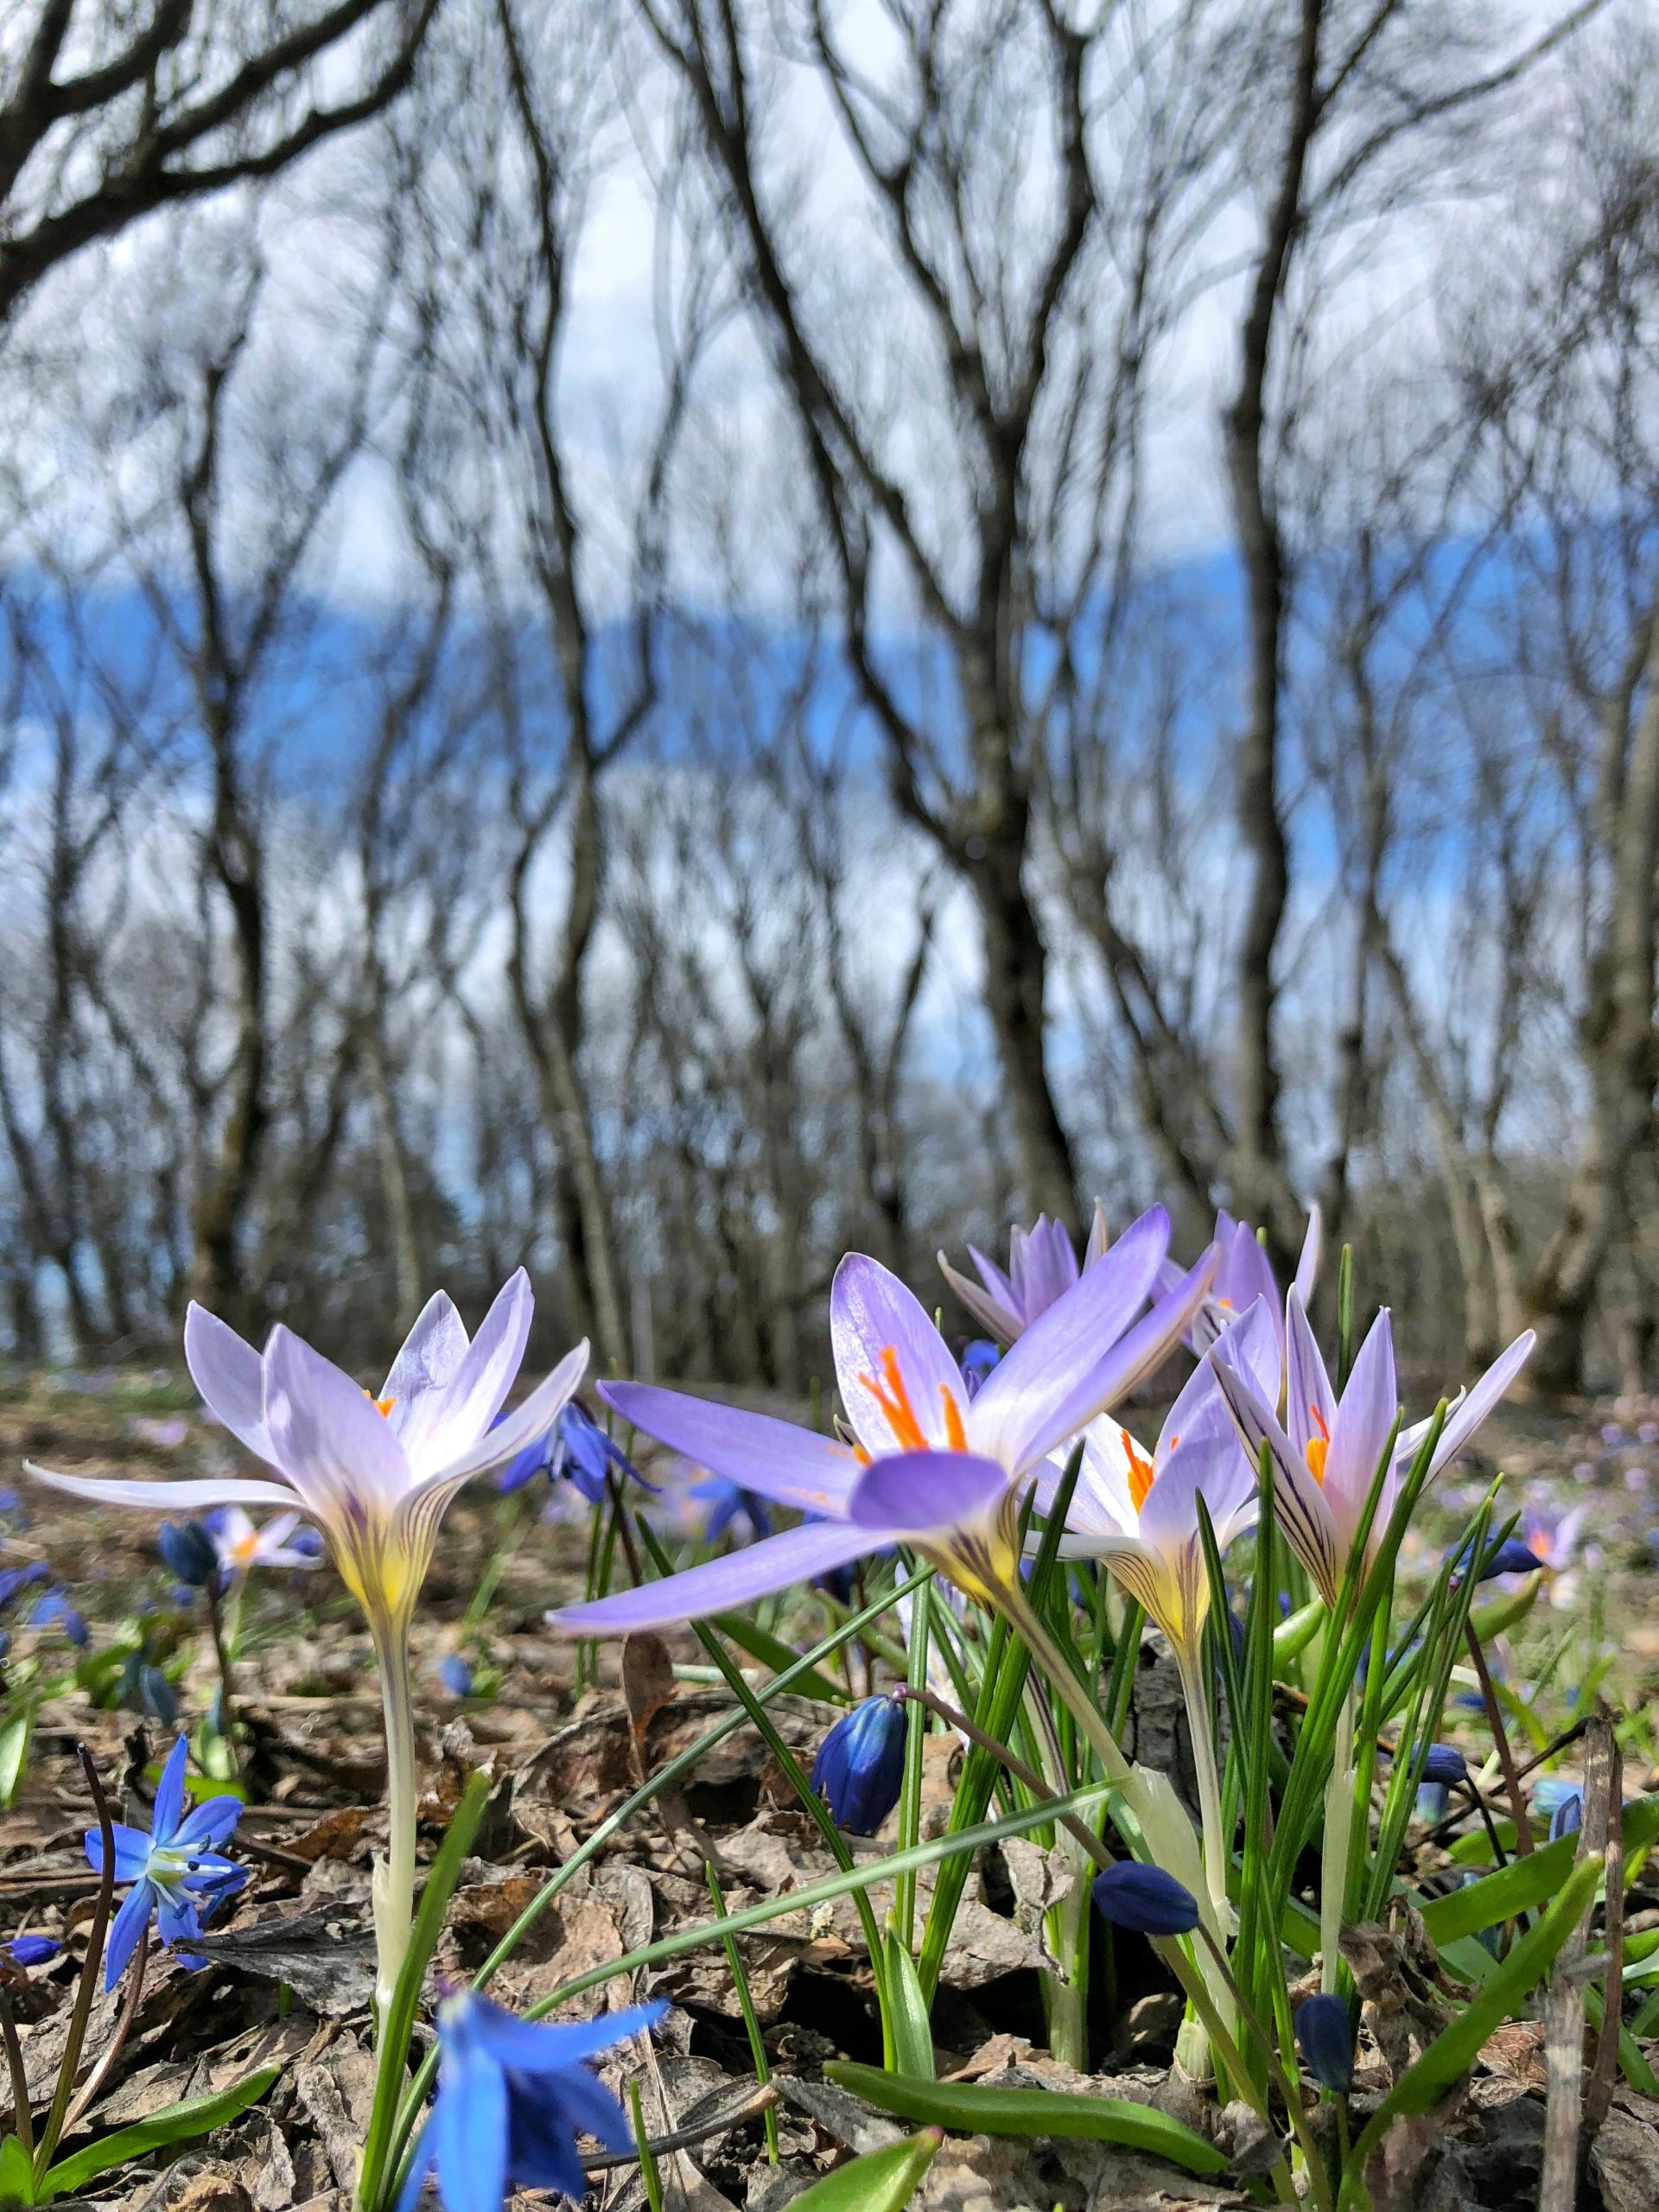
762	2101
100	2075
22	2121
86	1988
1017	1767
1501	1739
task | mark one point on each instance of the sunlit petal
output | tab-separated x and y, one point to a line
775	1459
164	1497
876	1325
229	1374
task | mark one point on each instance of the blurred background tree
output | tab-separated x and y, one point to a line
665	636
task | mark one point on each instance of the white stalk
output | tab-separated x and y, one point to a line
1333	1862
394	1875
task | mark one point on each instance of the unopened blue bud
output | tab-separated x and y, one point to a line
1325	2035
978	1358
157	1693
188	1550
860	1768
1510	1557
1444	1765
32	1950
1432	1801
1145	1899
455	1674
1568	1816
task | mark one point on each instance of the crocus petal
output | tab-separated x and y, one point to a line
871	1314
1307	1268
125	1928
1252	1343
1152	1578
775	1458
424	1368
1029	1432
163	1496
1364	1424
1099	1237
453	1418
913	1493
527	1424
1004	1323
547	2047
1212	1468
1302	1511
999	1285
332	1441
169	1807
1245	1272
1462	1423
470	2125
1050	1266
1033	1390
1310	1402
230	1376
721	1584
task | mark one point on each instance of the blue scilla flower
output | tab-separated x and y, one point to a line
860	1766
724	1502
1432	1798
53	1610
576	1447
1325	2035
1145	1899
1510	1557
190	1552
1445	1766
176	1872
513	2097
455	1674
14	1581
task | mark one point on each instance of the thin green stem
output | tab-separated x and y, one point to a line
1338	1827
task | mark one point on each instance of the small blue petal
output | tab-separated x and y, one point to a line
1568	1817
551	2047
210	1822
169	1809
127	1927
470	2122
131	1851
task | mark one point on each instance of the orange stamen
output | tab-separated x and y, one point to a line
955	1434
1318	1445
382	1406
1140	1472
892	1397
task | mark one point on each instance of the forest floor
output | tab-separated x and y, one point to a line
290	1976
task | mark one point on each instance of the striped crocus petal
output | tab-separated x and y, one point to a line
1303	1513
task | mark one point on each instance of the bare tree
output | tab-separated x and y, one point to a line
109	113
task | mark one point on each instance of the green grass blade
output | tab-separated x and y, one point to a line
180	2123
882	2181
970	2108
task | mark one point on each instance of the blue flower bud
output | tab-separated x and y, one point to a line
1568	1817
156	1693
53	1610
1146	1899
455	1674
1510	1557
1444	1765
1432	1803
14	1581
860	1768
32	1950
977	1360
188	1550
1325	2035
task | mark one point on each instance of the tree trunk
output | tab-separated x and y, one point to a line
1016	966
1619	1046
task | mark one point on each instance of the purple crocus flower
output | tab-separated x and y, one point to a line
928	1465
1042	1267
1243	1274
1324	1468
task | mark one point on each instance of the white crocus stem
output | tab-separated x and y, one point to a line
394	1875
1216	1853
1338	1828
